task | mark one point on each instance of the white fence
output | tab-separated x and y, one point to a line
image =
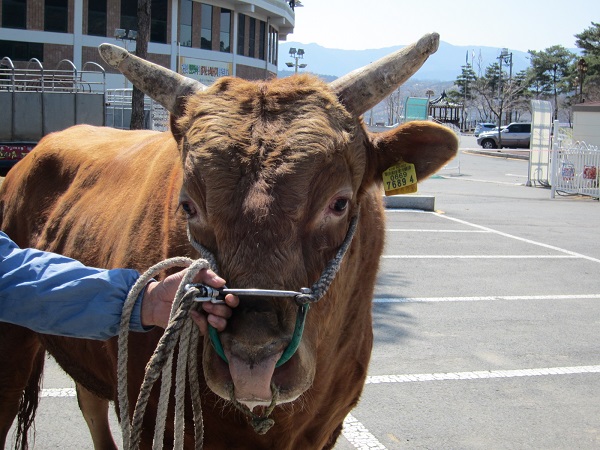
575	166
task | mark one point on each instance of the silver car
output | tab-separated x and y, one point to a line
514	135
483	127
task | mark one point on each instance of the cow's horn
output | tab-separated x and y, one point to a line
364	88
163	85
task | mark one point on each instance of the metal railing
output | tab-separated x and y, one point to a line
118	111
64	78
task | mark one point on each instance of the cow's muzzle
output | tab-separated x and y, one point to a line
214	295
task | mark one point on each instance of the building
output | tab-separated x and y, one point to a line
586	123
200	39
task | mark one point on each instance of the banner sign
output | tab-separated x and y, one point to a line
203	70
10	152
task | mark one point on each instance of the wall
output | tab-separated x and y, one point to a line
586	123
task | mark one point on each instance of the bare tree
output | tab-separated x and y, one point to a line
394	107
141	50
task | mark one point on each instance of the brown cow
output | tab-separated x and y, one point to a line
267	176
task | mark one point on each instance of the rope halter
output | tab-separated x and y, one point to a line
304	298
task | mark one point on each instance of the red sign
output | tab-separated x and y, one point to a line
589	172
10	152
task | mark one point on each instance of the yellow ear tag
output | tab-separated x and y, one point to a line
401	178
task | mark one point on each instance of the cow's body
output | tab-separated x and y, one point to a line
270	175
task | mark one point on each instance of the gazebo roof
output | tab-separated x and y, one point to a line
442	100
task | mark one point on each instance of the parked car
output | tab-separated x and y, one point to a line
483	127
513	135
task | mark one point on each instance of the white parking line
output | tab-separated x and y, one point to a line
355	432
359	436
445	177
484	298
482	374
511	236
60	392
415	230
483	257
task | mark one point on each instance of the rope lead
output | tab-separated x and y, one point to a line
162	361
260	424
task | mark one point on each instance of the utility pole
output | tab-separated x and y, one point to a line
505	57
582	68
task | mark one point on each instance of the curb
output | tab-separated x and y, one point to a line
410	201
498	153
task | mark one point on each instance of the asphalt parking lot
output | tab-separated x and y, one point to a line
486	322
487	319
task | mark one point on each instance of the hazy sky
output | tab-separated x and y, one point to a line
518	25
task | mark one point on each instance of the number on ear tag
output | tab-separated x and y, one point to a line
401	178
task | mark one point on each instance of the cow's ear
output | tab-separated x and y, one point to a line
427	145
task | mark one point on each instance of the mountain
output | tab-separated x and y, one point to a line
444	65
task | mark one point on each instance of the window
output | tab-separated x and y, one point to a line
97	17
225	31
252	37
273	37
158	21
185	23
519	128
56	15
158	18
22	51
241	34
262	41
206	27
14	14
129	14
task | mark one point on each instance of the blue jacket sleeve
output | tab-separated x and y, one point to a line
53	294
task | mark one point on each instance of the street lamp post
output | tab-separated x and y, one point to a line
505	57
582	68
296	54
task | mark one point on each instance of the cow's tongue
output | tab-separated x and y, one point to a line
252	383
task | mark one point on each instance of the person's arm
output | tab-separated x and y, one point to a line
53	294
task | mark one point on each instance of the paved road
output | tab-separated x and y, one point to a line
486	319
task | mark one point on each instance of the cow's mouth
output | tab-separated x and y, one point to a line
256	385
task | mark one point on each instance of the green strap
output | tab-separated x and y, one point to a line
288	352
296	337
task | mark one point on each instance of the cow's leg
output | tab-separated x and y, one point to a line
334	437
95	413
21	368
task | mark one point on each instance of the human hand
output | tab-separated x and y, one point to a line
158	298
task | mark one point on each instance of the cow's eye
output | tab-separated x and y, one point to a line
188	208
339	205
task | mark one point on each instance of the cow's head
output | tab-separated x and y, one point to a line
273	172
